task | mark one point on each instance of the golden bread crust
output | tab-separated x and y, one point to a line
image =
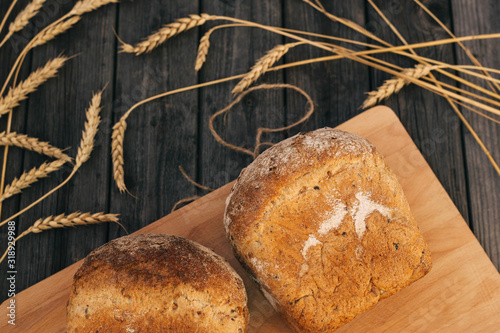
322	224
156	283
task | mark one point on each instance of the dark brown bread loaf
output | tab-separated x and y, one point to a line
156	283
322	224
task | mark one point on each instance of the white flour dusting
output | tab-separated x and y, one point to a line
294	153
303	269
310	242
362	209
334	220
259	265
359	212
325	139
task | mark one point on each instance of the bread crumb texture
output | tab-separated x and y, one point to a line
156	283
322	224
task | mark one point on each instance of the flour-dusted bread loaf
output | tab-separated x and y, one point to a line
156	283
322	225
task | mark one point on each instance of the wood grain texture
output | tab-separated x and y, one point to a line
235	51
9	51
475	17
173	131
327	82
16	156
429	118
163	134
461	293
58	107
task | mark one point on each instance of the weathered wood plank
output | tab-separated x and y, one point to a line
428	118
470	18
337	87
161	135
174	131
56	113
234	51
8	54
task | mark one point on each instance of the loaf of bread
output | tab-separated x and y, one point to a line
322	225
156	283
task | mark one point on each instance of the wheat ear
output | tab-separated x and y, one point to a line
83	154
117	138
53	31
28	178
7	14
201	56
90	131
22	19
85	6
63	221
262	65
166	32
71	220
34	80
394	85
204	45
26	142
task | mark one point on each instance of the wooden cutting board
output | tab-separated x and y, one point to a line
460	294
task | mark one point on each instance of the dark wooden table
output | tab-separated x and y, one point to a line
174	131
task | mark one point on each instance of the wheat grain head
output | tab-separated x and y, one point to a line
262	65
62	221
117	138
168	31
91	127
201	56
71	220
22	19
26	142
394	85
85	6
53	31
30	177
34	80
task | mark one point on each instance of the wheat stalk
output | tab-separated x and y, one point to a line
63	221
341	53
85	6
26	142
348	23
28	178
201	56
119	128
204	45
22	19
34	80
91	127
262	65
50	32
7	14
166	32
83	154
394	85
53	31
117	138
467	51
71	220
